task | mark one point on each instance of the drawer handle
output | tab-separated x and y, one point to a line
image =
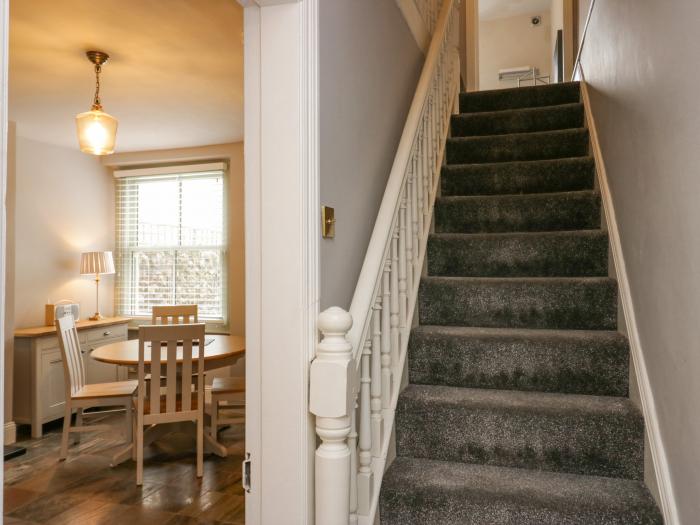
107	333
55	361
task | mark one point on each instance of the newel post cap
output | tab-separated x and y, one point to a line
334	321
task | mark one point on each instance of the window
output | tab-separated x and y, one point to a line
171	239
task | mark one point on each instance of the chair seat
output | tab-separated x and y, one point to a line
107	390
228	385
178	403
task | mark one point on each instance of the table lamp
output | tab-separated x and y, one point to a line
96	263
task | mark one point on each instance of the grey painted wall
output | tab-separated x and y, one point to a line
640	59
369	68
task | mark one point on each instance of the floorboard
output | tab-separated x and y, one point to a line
85	489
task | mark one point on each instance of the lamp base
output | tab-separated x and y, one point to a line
97	317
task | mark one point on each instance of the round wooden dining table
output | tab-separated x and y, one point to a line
219	351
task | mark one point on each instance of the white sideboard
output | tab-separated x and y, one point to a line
39	395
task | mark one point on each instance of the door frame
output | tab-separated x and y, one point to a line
4	70
282	254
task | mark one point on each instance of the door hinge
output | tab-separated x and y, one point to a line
245	467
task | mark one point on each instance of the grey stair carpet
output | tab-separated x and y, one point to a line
504	178
596	435
508	213
592	362
566	303
427	492
518	146
518	120
581	253
517	408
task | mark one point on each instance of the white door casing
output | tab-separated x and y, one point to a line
282	267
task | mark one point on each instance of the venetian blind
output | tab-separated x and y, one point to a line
171	240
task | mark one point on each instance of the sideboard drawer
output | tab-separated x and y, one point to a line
115	332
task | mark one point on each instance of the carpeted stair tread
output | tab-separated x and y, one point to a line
582	253
421	492
579	434
592	362
574	210
518	146
521	120
523	97
534	176
584	303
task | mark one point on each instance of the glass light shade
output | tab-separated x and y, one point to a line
97	132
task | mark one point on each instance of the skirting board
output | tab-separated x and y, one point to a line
10	435
651	420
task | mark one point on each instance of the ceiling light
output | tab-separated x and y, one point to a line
97	130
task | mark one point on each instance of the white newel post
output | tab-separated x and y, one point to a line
331	397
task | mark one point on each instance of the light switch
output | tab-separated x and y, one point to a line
328	222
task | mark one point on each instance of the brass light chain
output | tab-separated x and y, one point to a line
96	105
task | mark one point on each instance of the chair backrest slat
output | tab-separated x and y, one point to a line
175	314
73	365
171	343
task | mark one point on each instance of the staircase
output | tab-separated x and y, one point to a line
517	411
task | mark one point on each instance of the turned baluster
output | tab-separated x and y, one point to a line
395	341
417	234
418	159
352	444
426	169
387	380
365	478
403	298
376	390
409	240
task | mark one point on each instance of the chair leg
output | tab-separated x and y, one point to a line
78	423
66	431
200	444
139	452
129	421
214	417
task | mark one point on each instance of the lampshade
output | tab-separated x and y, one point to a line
96	262
97	132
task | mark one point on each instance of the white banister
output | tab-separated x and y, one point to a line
356	376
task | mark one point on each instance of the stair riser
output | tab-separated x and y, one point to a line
527	97
519	121
546	303
609	445
513	213
561	255
575	365
523	147
518	177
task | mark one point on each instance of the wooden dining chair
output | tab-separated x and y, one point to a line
175	314
231	391
80	396
179	400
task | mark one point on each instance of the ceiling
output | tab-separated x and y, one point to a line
493	9
174	79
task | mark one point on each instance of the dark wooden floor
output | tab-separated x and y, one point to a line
85	490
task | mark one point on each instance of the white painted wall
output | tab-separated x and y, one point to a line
512	42
64	205
368	71
638	60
